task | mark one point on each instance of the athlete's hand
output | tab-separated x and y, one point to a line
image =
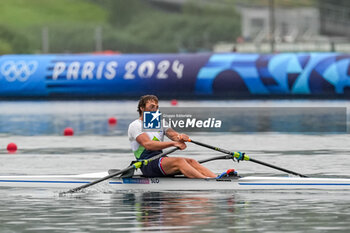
180	145
183	137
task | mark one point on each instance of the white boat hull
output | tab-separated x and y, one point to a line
178	183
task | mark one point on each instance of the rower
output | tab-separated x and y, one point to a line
148	144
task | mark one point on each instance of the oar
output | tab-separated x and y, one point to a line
216	158
133	166
242	156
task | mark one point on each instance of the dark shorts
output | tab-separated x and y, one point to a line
153	169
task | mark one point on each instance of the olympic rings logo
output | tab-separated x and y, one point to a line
19	70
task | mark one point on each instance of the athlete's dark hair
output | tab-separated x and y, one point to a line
143	100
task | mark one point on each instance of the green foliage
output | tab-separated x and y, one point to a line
23	20
195	28
189	33
283	3
12	41
122	12
24	13
129	26
5	47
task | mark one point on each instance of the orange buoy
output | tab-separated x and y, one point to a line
12	147
112	121
173	102
68	131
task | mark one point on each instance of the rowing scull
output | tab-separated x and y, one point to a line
178	183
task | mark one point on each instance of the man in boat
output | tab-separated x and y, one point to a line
148	144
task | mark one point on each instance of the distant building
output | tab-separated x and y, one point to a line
335	17
291	24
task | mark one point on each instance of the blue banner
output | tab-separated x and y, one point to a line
178	75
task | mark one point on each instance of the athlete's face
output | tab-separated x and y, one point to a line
151	106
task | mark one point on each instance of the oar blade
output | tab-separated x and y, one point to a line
74	190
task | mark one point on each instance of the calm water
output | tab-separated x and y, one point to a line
37	127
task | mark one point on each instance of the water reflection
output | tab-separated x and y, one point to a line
39	211
164	209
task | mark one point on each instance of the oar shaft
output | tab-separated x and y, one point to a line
215	158
98	181
277	168
134	166
212	147
247	158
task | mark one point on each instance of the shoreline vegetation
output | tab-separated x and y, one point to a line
133	26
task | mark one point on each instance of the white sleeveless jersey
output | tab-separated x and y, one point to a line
135	129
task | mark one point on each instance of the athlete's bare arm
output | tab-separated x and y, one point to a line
149	144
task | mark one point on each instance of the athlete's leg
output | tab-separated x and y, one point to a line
205	171
171	165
